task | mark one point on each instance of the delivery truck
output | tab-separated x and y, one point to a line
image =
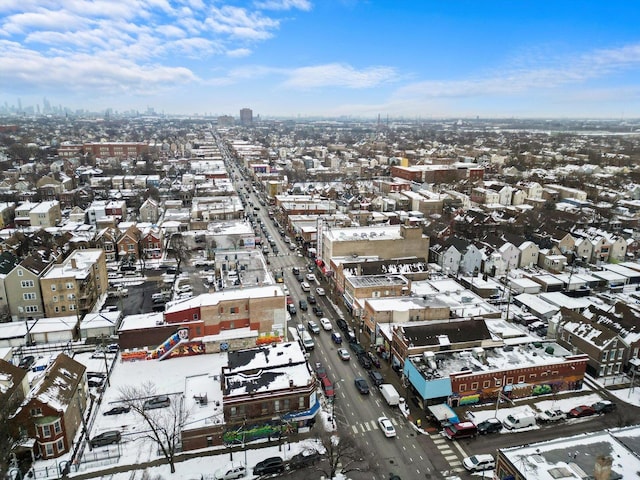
390	394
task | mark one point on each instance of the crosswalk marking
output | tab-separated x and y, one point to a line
366	424
355	428
450	458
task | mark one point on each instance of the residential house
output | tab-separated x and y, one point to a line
14	387
528	254
587	333
7	214
8	261
128	244
77	214
46	214
149	211
22	217
151	243
51	415
76	284
106	239
22	285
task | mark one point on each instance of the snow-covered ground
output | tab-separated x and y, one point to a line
169	377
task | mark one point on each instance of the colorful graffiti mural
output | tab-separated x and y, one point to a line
248	433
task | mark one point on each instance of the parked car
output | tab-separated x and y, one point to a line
326	323
118	410
295	270
160	401
342	324
320	291
105	438
304	459
327	386
376	377
231	471
364	361
361	385
302	305
357	348
490	425
27	361
292	309
604	406
479	463
581	411
387	427
313	327
321	372
318	311
374	359
549	416
310	277
344	355
268	466
311	299
337	338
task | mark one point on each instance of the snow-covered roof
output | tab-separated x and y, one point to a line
210	299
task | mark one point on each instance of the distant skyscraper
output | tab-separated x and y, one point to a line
246	116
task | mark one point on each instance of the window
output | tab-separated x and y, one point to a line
498	382
604	356
53	287
72	307
26	283
36	412
486	384
20	272
234	310
70	285
60	445
233	412
48	447
29	296
46	431
620	353
286	404
474	386
300	402
55	298
521	379
71	296
265	408
130	247
64	309
612	355
276	405
57	427
56	309
31	309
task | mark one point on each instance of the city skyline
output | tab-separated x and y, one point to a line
330	58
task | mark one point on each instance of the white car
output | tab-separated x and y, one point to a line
185	289
478	463
230	471
320	291
387	427
326	323
311	277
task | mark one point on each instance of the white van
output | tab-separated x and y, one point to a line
519	420
305	287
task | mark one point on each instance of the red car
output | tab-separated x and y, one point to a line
581	411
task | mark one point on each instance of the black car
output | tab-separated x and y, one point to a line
318	311
270	465
302	304
304	459
374	359
364	361
361	385
357	349
27	361
342	324
376	377
311	299
490	425
105	438
117	410
604	406
160	401
295	270
292	309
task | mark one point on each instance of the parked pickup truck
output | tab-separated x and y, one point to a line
549	416
120	292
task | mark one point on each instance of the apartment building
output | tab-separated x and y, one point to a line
22	285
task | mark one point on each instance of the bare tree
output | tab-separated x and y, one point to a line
342	455
165	424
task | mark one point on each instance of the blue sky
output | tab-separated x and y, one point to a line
400	58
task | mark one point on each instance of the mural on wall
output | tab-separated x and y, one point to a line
248	433
177	345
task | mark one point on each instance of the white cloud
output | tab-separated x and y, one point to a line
238	52
283	4
339	75
237	22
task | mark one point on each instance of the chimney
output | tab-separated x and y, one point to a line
603	468
291	386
